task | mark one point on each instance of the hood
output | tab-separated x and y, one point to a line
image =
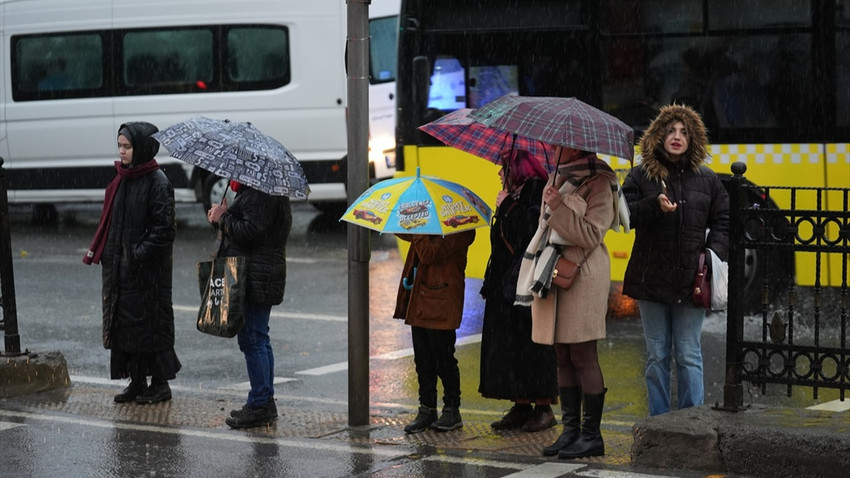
652	142
145	146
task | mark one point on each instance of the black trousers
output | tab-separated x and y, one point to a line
434	356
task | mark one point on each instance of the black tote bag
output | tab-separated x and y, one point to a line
221	282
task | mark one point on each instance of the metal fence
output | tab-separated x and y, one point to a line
798	334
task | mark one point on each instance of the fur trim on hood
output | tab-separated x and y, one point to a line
652	142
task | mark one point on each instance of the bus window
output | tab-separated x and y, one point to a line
486	83
842	64
258	54
166	61
734	14
382	49
662	16
738	81
72	66
448	85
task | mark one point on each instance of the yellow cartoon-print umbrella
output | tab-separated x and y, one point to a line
418	205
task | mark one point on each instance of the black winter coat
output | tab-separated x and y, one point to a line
512	366
137	263
667	245
257	226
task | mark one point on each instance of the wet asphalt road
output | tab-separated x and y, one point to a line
58	302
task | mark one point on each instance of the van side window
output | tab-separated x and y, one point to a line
147	61
57	66
258	55
167	61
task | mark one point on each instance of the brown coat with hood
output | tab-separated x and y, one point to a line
435	300
667	245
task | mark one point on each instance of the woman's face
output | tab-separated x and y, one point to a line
125	150
676	140
565	154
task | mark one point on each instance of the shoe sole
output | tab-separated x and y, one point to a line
148	401
540	429
238	426
583	455
447	429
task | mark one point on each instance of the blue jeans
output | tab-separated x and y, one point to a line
677	327
255	344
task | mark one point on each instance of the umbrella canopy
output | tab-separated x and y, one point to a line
460	130
559	121
418	205
236	151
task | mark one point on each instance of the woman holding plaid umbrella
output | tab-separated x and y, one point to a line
578	210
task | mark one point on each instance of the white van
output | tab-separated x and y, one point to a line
72	72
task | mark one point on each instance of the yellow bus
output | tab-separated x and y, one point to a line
770	78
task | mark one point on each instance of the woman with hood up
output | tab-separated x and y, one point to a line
134	243
678	207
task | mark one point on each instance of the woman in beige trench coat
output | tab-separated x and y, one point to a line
581	204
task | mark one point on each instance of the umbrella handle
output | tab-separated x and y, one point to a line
409	285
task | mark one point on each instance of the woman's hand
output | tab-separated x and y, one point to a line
666	204
552	197
216	211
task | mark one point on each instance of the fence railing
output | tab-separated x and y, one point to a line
799	337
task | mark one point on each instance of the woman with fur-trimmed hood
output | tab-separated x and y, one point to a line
678	207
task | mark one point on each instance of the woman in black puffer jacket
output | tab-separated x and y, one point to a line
134	242
256	226
678	207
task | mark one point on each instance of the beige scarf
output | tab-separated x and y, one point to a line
538	261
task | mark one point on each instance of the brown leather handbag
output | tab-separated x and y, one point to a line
702	284
566	271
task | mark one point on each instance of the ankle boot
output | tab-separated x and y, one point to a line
136	387
589	442
570	407
423	420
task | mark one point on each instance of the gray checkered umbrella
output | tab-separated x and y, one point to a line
559	121
237	151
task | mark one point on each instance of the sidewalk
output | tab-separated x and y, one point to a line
757	442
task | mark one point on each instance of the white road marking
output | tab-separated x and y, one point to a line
477	462
341	366
596	473
377	450
280	315
833	406
546	470
9	426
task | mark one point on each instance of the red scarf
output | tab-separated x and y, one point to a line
99	241
234	186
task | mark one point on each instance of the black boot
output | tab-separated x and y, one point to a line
570	407
137	386
590	442
423	420
159	391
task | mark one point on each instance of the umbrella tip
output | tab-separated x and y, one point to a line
417	171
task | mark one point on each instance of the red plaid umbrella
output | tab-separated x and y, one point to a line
459	130
559	121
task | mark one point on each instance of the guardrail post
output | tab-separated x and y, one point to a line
733	390
7	277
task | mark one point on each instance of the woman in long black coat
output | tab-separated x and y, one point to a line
512	366
134	242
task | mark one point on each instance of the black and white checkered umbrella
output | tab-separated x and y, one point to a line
237	151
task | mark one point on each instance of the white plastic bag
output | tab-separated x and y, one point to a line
719	282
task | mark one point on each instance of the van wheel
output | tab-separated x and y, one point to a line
214	190
44	214
335	209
